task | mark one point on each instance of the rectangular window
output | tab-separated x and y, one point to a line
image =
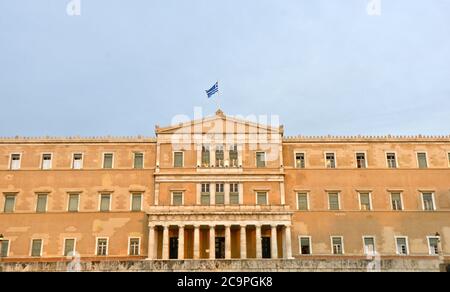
391	160
10	203
299	160
433	245
220	162
105	202
74	200
136	202
402	245
428	202
177	198
15	161
36	247
302	201
422	160
138	160
233	156
338	246
102	246
134	249
261	198
178	159
260	159
365	203
305	246
46	161
330	160
205	156
108	160
369	245
41	205
361	161
333	201
4	248
396	199
448	159
234	194
69	247
220	194
77	162
205	195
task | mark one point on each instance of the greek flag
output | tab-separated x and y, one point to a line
213	90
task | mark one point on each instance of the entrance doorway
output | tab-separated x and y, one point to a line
220	247
173	248
265	247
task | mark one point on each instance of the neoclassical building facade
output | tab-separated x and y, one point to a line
224	188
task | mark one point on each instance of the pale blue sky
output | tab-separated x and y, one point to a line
325	67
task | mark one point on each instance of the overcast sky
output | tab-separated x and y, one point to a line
324	67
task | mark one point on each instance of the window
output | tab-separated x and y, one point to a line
220	194
10	203
402	245
77	161
4	248
177	198
15	161
105	202
134	249
433	245
448	158
305	245
233	156
337	244
205	156
330	160
178	159
234	194
365	204
422	160
369	245
74	200
261	198
102	246
428	202
396	199
205	196
69	247
219	156
302	202
36	247
361	161
46	161
138	160
41	205
391	160
333	201
299	160
108	160
136	202
260	159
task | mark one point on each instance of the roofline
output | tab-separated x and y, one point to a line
77	139
367	138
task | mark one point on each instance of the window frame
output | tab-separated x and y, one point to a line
342	245
68	202
300	245
132	194
295	159
297	193
37	202
134	159
112	160
406	242
433	199
366	163
429	245
234	193
129	246
448	158
173	159
339	200
7	250
41	252
392	201
370	200
374	245
73	160
42	160
387	160
11	161
74	245
182	198
325	153
100	201
267	198
96	246
5	195
426	159
264	161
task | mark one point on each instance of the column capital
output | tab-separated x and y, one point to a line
181	226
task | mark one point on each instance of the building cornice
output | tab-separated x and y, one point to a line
76	140
366	139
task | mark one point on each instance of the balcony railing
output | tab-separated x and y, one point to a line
218	208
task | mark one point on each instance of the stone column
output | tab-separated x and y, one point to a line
258	242
151	243
212	243
165	249
273	242
227	241
196	242
288	242
181	242
243	242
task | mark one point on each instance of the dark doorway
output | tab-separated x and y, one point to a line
266	247
220	247
173	248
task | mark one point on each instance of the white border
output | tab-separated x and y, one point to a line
295	158
374	244
370	201
256	159
396	159
423	201
342	244
182	197
64	245
73	160
134	159
182	159
365	159
307	201
96	246
131	201
31	248
103	160
10	160
407	245
300	244
100	201
68	202
429	245
129	245
46	202
335	159
401	201
256	198
339	200
42	160
426	159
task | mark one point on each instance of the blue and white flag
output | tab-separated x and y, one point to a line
213	90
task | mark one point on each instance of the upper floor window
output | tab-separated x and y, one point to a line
205	195
134	247
102	246
334	201
177	198
220	162
136	202
428	202
74	201
396	199
433	245
138	160
330	160
365	201
108	160
4	248
15	161
369	245
41	205
422	160
337	244
260	159
391	160
234	156
402	245
448	158
178	159
205	156
261	198
305	245
302	202
69	246
105	202
234	193
220	194
10	203
36	247
77	161
299	160
361	161
46	161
